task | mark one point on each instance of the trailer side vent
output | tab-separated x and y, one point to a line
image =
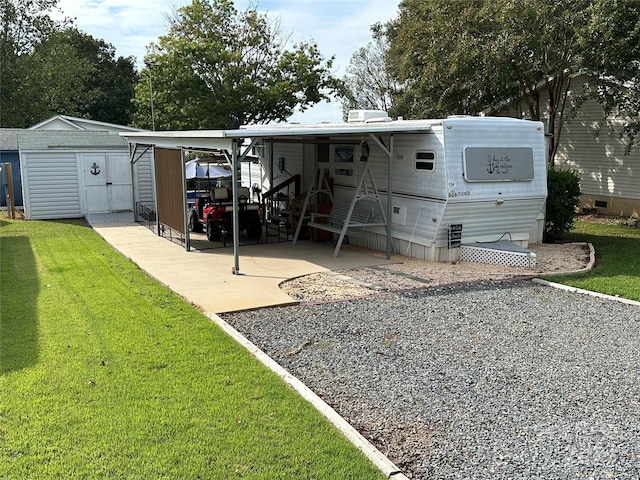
425	161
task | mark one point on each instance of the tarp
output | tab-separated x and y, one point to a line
194	170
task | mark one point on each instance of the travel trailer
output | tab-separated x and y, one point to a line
456	182
470	188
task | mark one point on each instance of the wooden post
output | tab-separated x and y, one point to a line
10	198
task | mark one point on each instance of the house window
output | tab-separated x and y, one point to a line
425	161
344	154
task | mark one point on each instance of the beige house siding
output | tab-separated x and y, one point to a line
607	175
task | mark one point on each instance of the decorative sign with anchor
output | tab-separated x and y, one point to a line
95	169
498	164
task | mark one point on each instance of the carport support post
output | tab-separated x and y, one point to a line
132	154
185	195
389	196
236	216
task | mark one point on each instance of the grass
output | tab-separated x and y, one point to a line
104	373
617	270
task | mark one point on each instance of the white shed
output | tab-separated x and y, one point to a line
74	172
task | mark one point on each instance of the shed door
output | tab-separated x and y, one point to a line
107	182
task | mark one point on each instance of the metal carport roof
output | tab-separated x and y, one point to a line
229	141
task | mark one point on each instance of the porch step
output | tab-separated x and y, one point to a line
497	253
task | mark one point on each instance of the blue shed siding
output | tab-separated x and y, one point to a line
12	157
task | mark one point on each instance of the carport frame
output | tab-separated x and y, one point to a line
212	140
134	156
230	141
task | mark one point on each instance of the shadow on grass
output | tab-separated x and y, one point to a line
18	305
76	222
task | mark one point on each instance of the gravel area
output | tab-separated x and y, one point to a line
409	273
487	379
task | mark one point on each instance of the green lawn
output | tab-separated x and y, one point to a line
106	374
617	270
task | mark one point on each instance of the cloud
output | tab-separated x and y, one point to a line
339	27
127	25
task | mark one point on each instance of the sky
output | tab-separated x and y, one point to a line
339	27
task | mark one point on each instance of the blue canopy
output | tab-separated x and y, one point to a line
194	170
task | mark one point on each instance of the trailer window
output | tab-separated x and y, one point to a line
425	161
344	154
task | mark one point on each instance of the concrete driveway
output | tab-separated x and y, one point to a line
205	278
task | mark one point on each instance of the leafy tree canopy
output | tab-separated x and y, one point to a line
439	53
52	68
218	67
368	83
461	57
24	24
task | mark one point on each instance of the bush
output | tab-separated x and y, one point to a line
563	197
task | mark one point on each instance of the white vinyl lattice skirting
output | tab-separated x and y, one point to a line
498	253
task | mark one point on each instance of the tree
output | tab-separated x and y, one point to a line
48	88
109	82
439	51
52	68
462	57
218	67
368	83
541	46
24	24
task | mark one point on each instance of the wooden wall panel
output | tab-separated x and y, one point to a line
170	186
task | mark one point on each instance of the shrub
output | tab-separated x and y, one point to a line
563	197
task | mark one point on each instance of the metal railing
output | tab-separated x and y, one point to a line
146	216
277	212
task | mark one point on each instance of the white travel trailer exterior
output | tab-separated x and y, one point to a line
455	181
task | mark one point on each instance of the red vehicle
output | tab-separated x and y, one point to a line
215	213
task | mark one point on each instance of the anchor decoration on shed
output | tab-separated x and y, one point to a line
95	169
